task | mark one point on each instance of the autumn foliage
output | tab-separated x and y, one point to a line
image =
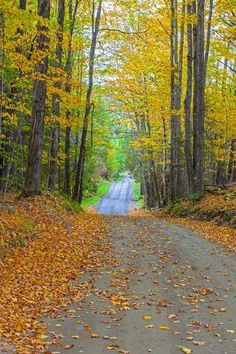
38	276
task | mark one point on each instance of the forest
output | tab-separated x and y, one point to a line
94	88
117	176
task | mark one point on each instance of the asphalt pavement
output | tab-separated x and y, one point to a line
119	199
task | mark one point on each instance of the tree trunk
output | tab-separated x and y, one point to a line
232	162
72	16
187	103
2	30
23	4
176	58
78	187
67	160
164	184
208	37
55	134
199	100
33	168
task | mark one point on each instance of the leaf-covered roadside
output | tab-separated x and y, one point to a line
220	234
212	216
36	280
218	206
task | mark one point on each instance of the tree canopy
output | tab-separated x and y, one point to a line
93	88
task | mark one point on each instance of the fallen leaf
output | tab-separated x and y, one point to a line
230	331
165	328
198	343
222	309
69	346
173	317
113	346
184	349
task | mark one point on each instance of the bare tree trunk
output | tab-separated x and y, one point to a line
67	174
33	168
2	30
78	187
176	57
164	185
208	36
187	103
199	100
232	162
67	159
23	4
53	164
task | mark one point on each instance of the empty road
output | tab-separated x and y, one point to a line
168	291
119	199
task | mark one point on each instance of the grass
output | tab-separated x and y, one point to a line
71	205
103	189
137	196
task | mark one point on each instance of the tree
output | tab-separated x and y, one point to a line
199	98
33	168
176	58
67	173
188	101
78	187
54	149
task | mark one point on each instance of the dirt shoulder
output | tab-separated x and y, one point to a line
212	216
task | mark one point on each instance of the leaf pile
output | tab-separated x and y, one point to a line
36	280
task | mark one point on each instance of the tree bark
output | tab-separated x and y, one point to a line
23	4
187	103
2	30
199	100
67	174
208	37
33	168
232	162
78	187
55	133
176	58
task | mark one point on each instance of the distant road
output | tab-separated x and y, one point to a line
119	199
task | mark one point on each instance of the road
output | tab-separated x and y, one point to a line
169	291
119	199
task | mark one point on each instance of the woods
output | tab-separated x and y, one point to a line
90	89
117	176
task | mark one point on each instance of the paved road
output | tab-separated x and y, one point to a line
169	291
119	199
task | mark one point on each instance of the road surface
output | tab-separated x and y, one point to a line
119	199
170	291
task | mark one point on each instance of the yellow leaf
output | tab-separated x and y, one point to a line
146	317
165	328
112	346
184	349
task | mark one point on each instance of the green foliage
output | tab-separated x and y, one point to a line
180	207
137	195
102	189
71	205
194	197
